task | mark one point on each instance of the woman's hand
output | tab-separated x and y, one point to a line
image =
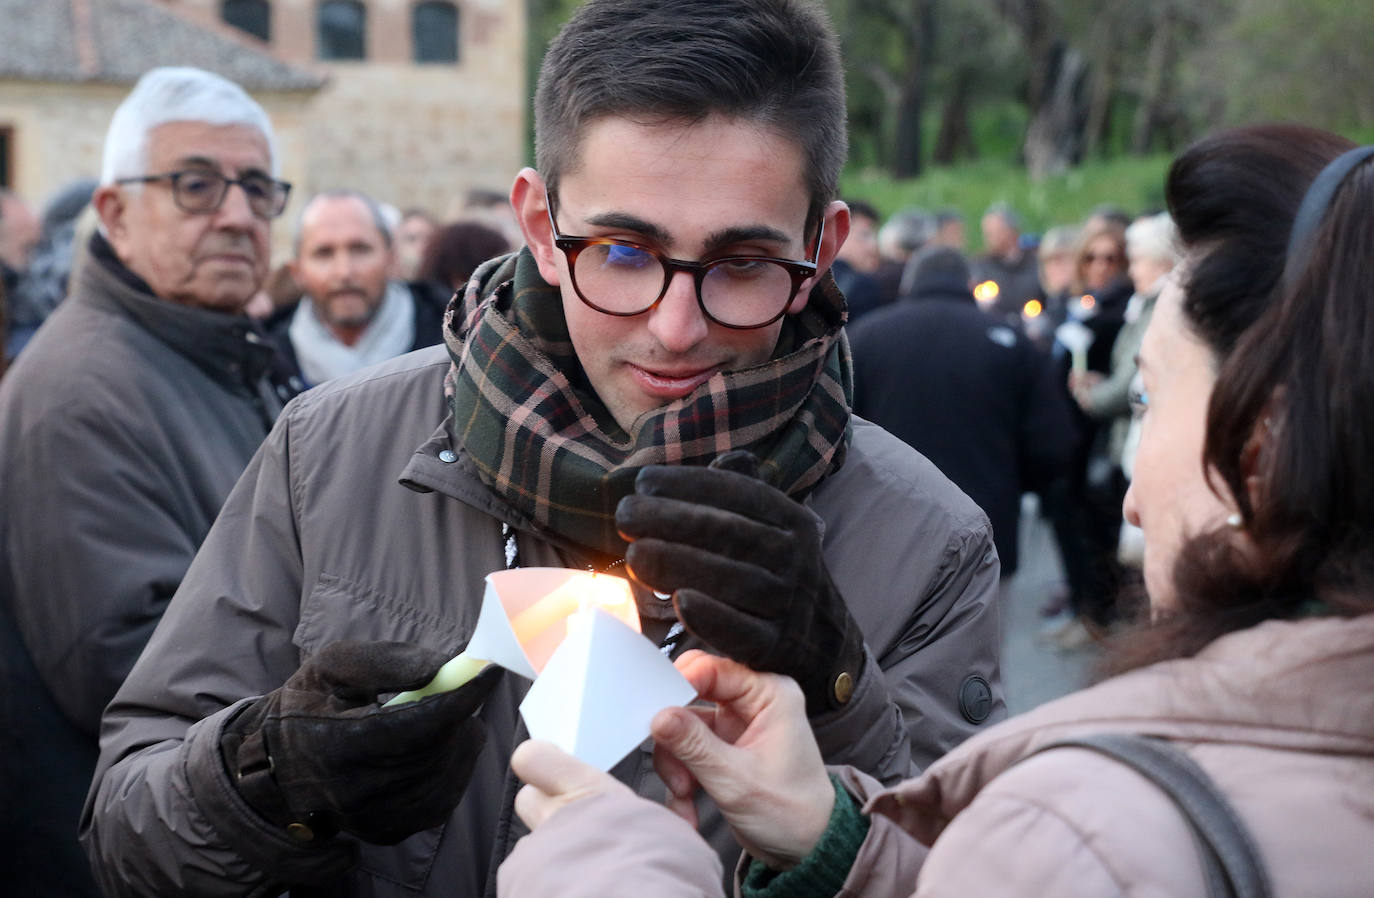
753	753
553	778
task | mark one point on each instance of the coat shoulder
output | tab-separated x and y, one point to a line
880	467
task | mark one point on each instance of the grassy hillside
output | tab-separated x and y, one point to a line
1136	184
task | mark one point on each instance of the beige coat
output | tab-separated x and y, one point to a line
1281	716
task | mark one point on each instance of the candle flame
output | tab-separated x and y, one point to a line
986	292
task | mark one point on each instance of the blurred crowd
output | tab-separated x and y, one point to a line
1013	370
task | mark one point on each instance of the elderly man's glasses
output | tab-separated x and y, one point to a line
202	192
621	278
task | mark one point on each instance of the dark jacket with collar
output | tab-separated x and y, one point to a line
122	429
968	392
361	519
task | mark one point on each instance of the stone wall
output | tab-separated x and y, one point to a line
59	134
409	134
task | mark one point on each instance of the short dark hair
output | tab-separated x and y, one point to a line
772	62
455	251
862	209
1295	362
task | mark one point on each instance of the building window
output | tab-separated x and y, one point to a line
342	31
6	157
252	16
435	27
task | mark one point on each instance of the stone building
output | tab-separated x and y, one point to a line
413	101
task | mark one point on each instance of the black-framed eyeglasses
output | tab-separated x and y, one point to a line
624	279
201	192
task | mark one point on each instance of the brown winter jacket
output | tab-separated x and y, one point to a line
320	542
1281	716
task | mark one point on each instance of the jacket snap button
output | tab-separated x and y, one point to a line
300	832
975	699
844	688
448	456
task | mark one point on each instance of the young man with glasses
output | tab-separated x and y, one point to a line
659	382
122	429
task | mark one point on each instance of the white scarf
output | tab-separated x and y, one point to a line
322	357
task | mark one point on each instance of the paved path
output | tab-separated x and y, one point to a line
1034	670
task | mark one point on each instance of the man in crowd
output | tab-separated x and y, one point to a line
968	391
351	314
1007	264
413	234
671	309
858	259
18	235
903	235
123	426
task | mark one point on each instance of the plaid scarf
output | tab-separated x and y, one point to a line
541	438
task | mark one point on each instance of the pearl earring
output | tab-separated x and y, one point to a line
1233	520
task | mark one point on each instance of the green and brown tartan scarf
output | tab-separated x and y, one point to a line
542	440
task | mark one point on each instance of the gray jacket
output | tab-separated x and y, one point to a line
319	543
123	427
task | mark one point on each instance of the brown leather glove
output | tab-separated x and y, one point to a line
320	755
743	562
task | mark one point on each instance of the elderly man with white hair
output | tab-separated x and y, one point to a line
122	429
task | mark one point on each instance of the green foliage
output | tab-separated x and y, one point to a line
1135	184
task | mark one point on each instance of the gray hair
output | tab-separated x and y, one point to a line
1005	212
905	232
1154	237
374	208
1058	241
176	94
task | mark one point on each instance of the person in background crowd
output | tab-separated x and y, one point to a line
491	207
900	238
44	283
949	229
1105	399
588	385
858	260
1102	285
965	390
1056	255
456	250
1254	660
1006	274
1152	248
123	426
1084	506
19	234
352	314
413	234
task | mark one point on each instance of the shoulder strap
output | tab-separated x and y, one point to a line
1231	860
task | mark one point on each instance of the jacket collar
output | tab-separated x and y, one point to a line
229	348
1290	685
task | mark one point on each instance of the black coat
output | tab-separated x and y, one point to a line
971	394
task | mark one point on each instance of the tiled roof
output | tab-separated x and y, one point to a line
116	41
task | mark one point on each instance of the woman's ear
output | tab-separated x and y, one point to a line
530	202
1258	447
836	232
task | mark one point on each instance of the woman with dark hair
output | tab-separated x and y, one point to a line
455	250
1253	491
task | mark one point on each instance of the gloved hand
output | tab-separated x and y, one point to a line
743	562
320	755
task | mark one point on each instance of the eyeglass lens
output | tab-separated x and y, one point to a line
627	280
205	191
